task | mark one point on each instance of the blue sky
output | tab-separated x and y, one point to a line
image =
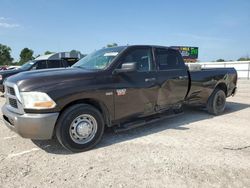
220	28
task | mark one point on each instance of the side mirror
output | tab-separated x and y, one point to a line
126	67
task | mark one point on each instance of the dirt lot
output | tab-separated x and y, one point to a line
191	150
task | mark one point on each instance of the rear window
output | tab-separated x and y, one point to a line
168	59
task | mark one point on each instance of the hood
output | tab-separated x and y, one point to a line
41	80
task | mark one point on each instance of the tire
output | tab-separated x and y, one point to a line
217	102
80	128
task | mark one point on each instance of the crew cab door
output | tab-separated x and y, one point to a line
136	92
172	78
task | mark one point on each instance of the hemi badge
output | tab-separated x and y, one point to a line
121	92
109	93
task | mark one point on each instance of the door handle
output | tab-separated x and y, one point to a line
182	77
150	79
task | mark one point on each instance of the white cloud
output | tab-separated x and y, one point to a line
8	25
4	23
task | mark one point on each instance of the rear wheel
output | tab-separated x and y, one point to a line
216	102
80	127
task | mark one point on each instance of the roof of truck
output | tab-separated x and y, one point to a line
147	45
152	46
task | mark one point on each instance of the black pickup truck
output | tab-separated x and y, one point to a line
122	87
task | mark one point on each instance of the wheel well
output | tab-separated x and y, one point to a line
223	87
98	105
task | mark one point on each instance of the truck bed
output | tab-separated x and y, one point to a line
203	82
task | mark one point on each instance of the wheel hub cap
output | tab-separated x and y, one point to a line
220	101
83	129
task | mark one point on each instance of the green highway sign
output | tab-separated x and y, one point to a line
187	52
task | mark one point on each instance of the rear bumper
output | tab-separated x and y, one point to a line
33	126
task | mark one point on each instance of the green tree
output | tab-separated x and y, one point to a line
111	45
26	55
5	56
75	51
48	52
220	60
244	59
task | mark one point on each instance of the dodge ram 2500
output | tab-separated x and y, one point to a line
123	87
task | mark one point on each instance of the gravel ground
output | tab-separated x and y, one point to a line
192	150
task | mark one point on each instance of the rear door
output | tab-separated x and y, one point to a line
173	77
136	92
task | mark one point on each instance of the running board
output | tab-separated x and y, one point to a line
145	121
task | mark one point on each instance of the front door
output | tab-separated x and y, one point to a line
136	92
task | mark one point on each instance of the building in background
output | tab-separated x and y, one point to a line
189	54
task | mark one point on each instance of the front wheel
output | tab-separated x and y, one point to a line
80	127
217	102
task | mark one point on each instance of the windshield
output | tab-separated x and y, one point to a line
27	65
100	59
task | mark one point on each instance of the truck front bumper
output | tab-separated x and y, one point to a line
33	126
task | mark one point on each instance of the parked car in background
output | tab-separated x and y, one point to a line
13	67
3	68
55	60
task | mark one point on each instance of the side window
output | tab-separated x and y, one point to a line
54	64
167	59
142	57
40	65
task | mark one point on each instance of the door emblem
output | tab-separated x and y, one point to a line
109	93
121	92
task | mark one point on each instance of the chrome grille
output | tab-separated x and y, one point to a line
12	96
11	90
13	103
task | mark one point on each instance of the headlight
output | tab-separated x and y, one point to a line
36	100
